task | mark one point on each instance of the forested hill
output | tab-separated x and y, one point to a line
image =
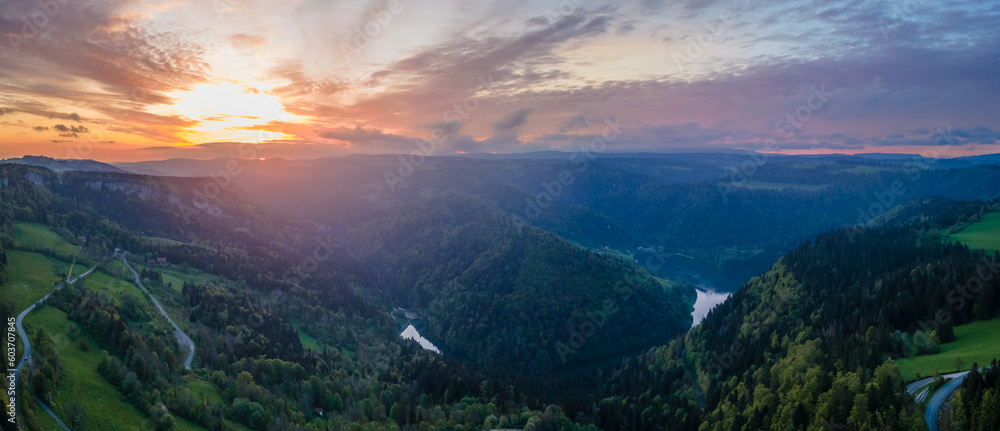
259	298
811	343
737	212
60	165
509	296
503	294
799	344
196	221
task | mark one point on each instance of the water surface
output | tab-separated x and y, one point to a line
410	333
706	300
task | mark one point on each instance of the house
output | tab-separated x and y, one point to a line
161	261
319	411
81	238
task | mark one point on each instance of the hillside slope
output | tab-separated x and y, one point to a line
510	296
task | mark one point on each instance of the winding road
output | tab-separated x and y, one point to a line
934	405
26	355
20	317
182	338
937	401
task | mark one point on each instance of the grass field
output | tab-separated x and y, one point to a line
202	390
163	241
308	341
117	288
984	234
974	342
46	421
106	407
40	236
32	276
616	253
176	278
173	301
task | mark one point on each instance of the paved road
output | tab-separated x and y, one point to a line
934	406
26	355
20	317
912	387
46	408
182	338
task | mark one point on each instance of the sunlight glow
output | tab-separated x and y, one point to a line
230	112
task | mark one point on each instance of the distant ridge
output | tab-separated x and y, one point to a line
62	165
186	167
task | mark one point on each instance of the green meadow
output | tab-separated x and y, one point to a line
202	389
974	342
114	287
32	276
37	235
308	341
104	404
163	241
175	277
984	234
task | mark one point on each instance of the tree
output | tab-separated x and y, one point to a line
76	415
989	411
161	417
338	403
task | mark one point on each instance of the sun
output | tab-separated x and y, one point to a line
229	112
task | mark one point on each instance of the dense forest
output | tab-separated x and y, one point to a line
811	342
977	402
596	342
707	206
364	376
3	265
512	297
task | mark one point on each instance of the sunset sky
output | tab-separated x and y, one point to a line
142	80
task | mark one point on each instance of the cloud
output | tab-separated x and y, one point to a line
512	120
72	129
921	137
370	139
246	40
298	83
470	68
40	128
891	78
575	122
445	127
284	149
101	56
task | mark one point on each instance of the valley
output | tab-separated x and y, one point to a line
441	305
511	215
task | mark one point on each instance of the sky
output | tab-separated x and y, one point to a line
127	80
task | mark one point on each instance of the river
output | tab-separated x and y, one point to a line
713	285
707	299
411	333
